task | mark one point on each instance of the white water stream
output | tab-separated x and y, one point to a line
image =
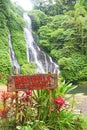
15	65
44	63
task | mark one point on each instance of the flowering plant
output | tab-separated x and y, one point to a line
33	110
4	109
28	93
5	96
59	103
13	103
3	112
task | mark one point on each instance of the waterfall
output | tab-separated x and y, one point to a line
44	63
15	65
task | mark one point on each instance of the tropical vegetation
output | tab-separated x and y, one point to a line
60	29
37	110
12	23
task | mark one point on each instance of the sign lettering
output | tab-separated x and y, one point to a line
32	82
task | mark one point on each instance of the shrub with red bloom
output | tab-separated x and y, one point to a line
24	99
28	92
5	96
3	112
59	102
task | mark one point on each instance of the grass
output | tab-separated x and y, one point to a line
82	82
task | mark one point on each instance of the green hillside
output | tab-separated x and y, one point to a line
11	19
60	29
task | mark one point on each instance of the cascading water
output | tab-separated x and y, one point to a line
43	62
15	65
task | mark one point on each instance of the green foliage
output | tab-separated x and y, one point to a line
4	7
83	3
5	64
73	68
16	27
64	88
55	7
42	100
60	29
16	8
11	18
2	21
28	68
38	19
26	128
16	24
64	37
56	21
63	121
19	46
16	21
44	34
45	115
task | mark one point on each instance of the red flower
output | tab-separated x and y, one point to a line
59	102
28	92
24	99
5	96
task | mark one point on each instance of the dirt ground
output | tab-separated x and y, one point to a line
81	103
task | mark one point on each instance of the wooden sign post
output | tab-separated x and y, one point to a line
31	82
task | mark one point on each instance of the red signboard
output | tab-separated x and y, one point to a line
32	82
